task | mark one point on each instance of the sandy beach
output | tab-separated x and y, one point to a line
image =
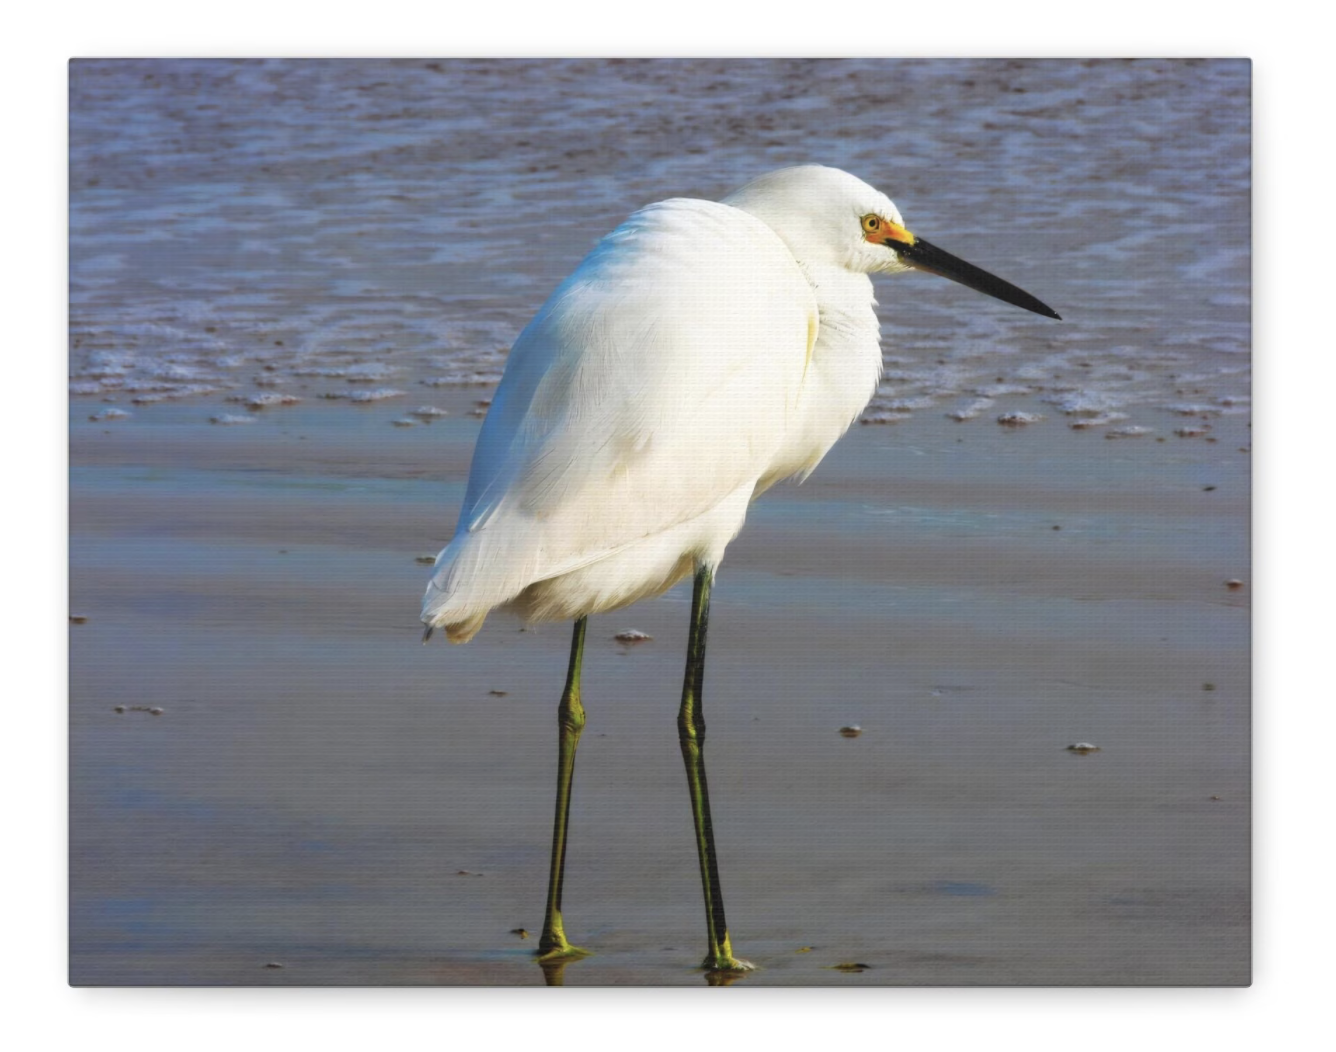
273	783
321	792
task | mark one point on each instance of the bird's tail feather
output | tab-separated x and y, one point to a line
474	574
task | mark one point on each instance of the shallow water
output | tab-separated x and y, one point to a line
329	228
322	793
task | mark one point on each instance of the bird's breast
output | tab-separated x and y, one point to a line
843	368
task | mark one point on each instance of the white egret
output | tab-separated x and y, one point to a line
702	352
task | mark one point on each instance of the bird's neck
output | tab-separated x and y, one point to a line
845	302
842	372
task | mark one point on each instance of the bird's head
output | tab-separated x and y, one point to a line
830	218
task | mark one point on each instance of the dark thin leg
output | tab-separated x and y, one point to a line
570	722
691	735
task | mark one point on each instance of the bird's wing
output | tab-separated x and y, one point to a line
655	382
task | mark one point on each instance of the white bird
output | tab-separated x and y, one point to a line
702	352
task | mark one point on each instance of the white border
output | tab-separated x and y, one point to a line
1293	468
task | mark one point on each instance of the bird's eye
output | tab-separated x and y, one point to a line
871	222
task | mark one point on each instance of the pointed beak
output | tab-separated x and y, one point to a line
921	255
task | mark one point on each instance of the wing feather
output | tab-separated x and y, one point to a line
654	383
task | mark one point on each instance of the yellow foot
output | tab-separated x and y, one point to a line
554	962
726	963
560	951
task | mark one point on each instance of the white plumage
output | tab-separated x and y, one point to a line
702	352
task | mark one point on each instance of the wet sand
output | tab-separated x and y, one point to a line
323	793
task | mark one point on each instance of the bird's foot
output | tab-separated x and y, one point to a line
726	962
552	946
558	949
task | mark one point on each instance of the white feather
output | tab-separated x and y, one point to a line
702	352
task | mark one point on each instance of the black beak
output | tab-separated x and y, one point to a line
924	256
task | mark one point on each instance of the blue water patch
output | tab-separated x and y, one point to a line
1205	540
963	888
993	610
264	484
280	219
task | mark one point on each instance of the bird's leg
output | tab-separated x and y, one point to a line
570	722
691	735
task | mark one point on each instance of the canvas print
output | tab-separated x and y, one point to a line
822	488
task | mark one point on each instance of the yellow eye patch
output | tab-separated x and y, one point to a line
882	231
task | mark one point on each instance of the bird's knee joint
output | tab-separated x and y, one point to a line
571	717
691	730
